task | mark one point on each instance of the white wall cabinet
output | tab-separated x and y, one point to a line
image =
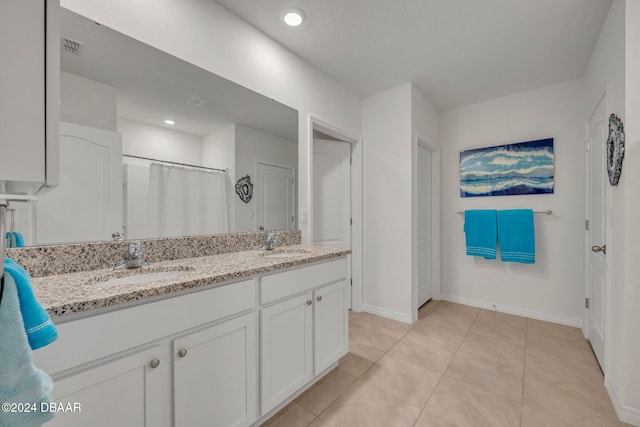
30	87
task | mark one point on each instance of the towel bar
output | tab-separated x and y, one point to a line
547	212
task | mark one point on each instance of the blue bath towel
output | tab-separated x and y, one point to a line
480	231
38	326
20	381
517	236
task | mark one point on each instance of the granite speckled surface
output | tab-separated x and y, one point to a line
42	261
78	292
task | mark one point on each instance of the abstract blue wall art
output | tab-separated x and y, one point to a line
505	170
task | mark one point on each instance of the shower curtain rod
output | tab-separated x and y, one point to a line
547	212
174	163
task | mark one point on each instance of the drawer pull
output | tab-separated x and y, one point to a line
319	298
309	302
182	352
154	363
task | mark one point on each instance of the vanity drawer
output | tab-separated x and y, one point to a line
91	338
281	285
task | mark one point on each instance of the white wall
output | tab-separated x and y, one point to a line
387	201
553	288
142	139
206	34
253	147
87	102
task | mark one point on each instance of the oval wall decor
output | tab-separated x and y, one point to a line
615	149
244	188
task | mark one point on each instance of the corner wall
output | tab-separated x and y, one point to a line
553	288
387	202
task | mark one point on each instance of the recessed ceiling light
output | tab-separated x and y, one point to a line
169	122
293	16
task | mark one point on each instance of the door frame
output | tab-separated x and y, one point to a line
418	140
605	96
355	259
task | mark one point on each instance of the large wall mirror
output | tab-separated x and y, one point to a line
153	146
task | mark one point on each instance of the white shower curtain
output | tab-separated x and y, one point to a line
186	202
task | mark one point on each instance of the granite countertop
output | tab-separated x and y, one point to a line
66	294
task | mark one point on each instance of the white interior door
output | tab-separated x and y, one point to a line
425	225
597	128
276	206
331	193
87	205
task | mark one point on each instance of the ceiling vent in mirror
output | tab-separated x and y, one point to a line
197	102
71	46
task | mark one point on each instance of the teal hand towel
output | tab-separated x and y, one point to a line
20	381
19	239
516	235
38	326
480	233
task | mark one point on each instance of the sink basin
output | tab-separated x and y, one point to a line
137	277
285	253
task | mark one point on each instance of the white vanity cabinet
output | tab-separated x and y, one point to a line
303	327
224	356
30	88
286	346
124	391
214	375
331	325
184	361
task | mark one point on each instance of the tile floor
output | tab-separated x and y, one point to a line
457	366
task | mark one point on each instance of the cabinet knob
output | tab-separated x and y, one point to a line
182	352
319	298
154	363
309	302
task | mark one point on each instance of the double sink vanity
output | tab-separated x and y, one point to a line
224	339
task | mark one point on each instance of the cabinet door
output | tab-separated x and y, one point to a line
123	392
285	349
331	327
214	375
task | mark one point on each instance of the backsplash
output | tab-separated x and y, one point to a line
61	259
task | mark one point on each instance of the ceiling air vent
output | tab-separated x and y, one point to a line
197	102
70	46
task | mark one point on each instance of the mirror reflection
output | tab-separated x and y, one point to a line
153	146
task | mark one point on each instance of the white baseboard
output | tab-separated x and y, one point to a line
625	413
389	314
554	318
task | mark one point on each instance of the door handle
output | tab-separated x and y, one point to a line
596	248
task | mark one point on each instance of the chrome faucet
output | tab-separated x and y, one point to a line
269	242
134	257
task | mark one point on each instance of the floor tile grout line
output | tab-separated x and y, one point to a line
445	369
